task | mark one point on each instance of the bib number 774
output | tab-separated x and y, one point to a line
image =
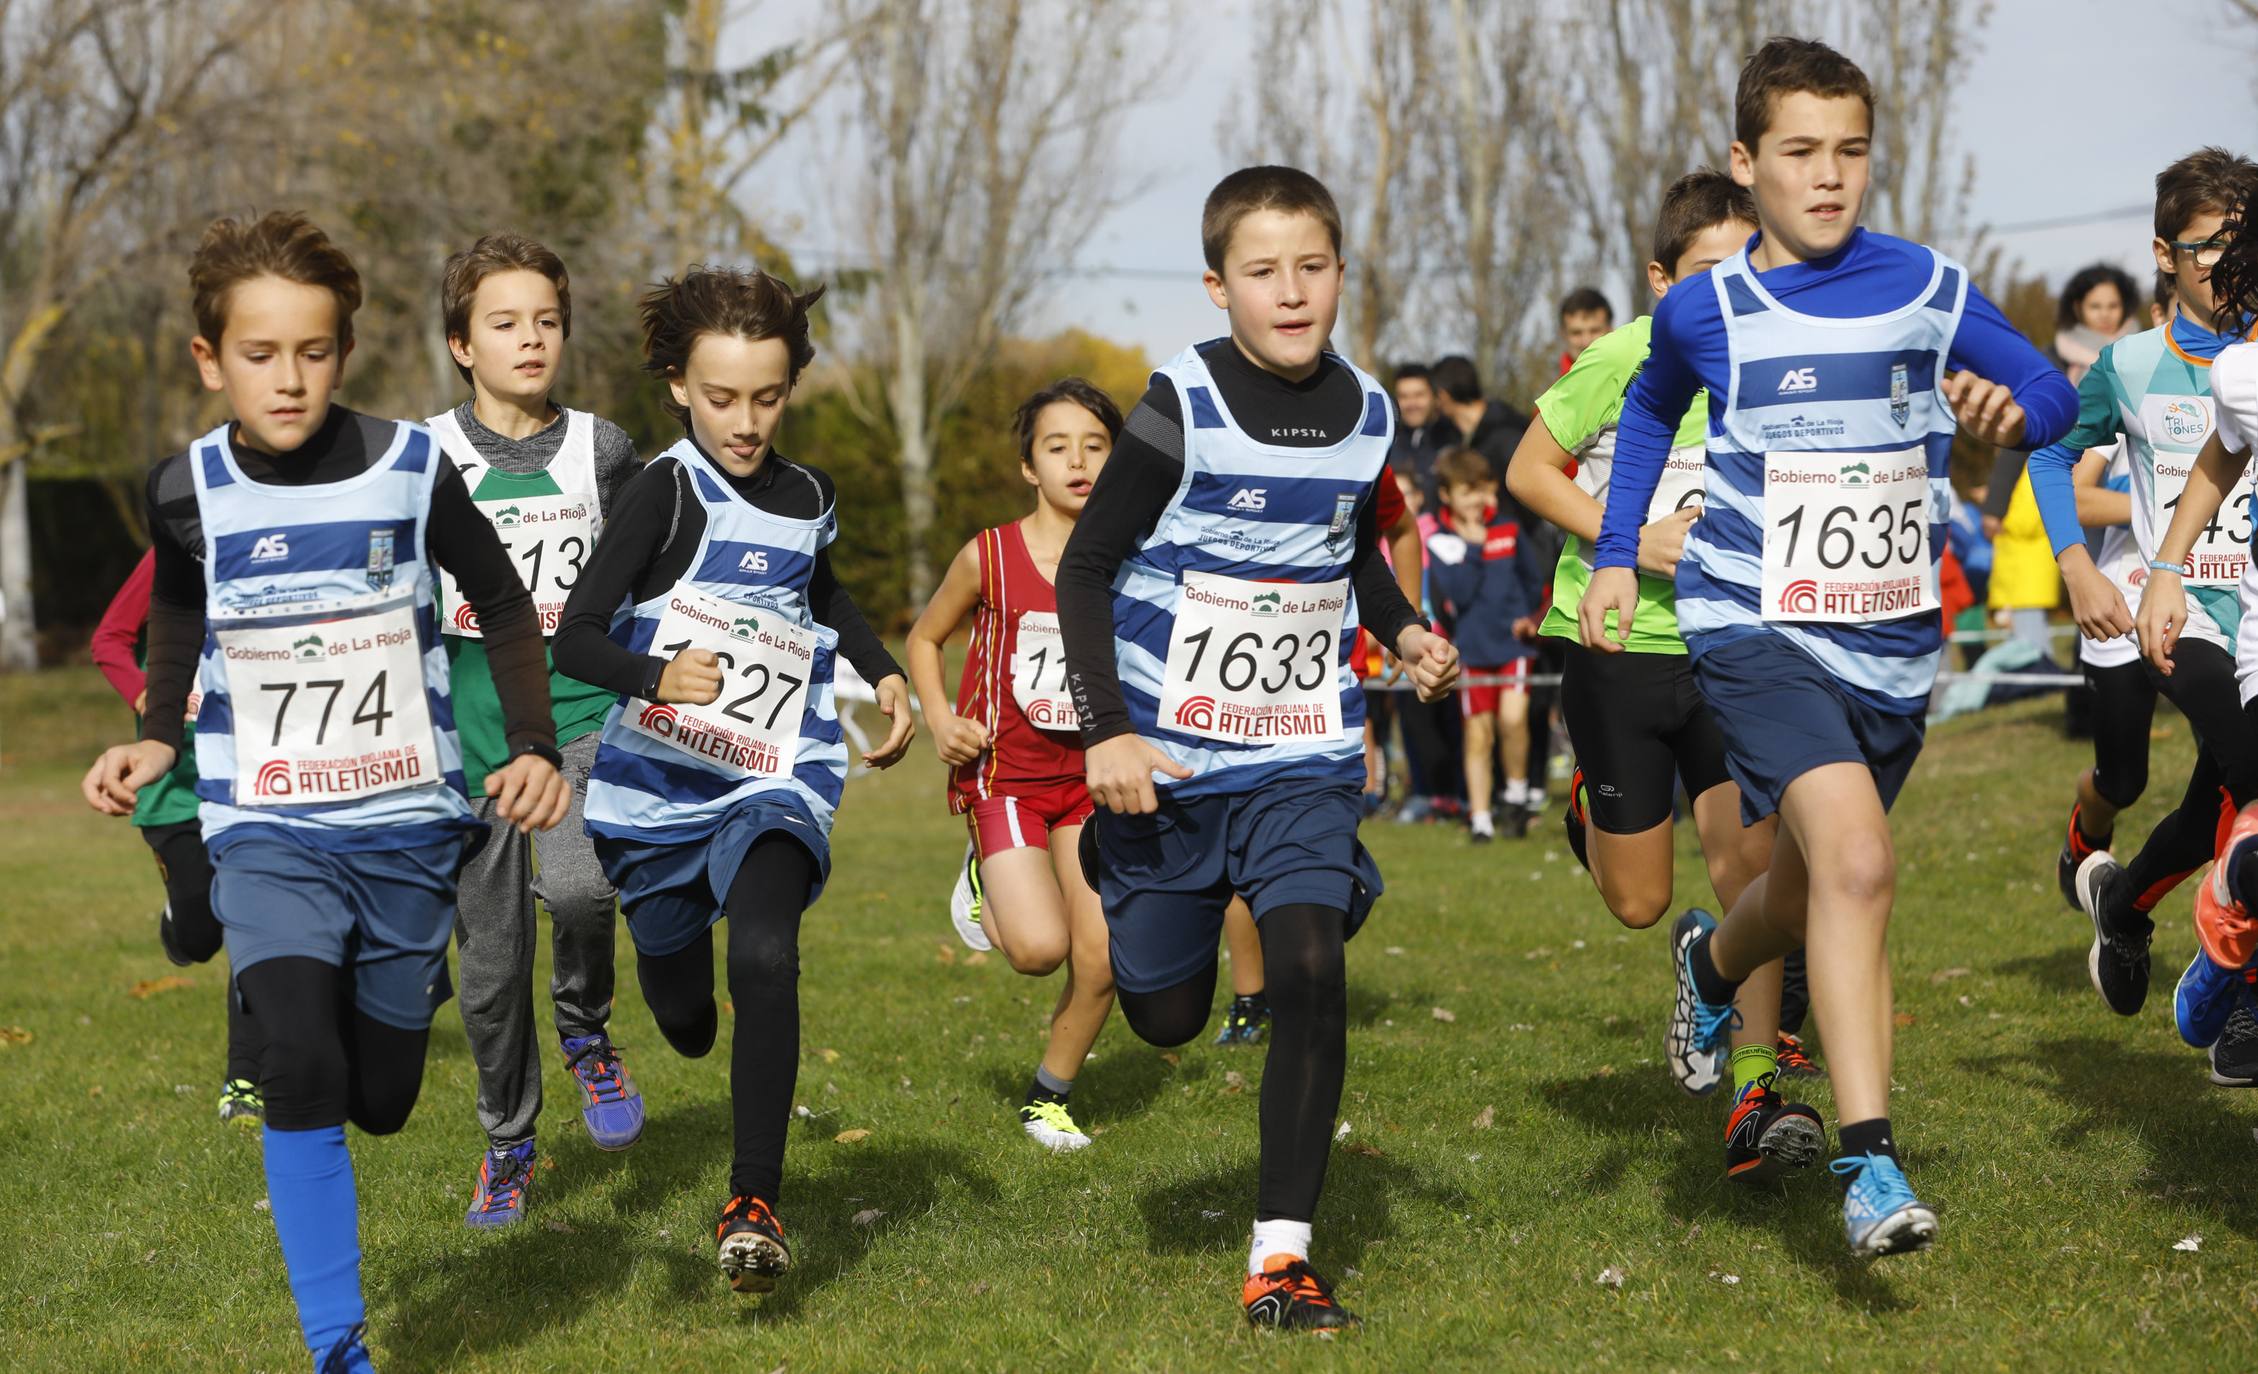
1846	537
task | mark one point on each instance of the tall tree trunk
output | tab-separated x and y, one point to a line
19	646
908	400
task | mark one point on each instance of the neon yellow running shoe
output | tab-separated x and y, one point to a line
1048	1125
964	904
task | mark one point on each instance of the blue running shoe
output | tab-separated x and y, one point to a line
614	1109
349	1355
1696	1044
504	1178
1880	1215
2207	994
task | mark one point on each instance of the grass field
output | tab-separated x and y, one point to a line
1511	1137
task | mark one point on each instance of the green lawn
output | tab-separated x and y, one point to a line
1511	1136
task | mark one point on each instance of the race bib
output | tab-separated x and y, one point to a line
1038	673
548	539
328	708
2222	550
1255	662
752	730
1683	476
1846	537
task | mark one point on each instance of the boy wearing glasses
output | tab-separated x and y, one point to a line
2153	389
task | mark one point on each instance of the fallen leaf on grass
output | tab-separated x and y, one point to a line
1485	1118
1444	1014
1393	949
975	959
729	1009
850	1137
2189	1243
1946	975
150	987
11	1036
1904	1018
868	1215
1727	1279
1610	1277
829	1056
1206	1215
1369	1151
1234	1081
1604	1071
562	1227
262	1205
946	954
1171	1058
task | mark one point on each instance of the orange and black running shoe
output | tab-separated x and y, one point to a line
1794	1060
751	1241
1767	1135
1291	1296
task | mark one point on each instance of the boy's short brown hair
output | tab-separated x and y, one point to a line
493	255
1462	467
1697	202
279	243
722	300
2206	180
1784	66
1076	390
1288	190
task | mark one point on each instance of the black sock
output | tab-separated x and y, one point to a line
1869	1137
1248	1000
1047	1087
1714	987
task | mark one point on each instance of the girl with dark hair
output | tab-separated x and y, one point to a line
2096	308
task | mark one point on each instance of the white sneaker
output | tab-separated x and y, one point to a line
1048	1125
1484	830
964	904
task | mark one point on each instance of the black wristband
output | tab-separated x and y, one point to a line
540	749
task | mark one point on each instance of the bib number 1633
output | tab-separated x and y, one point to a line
1255	662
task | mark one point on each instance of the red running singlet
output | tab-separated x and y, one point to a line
1015	683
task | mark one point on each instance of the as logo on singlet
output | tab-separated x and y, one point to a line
1799	379
753	562
271	547
1247	499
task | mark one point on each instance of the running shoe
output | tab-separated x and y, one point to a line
1481	829
2223	926
751	1245
964	904
1244	1021
2234	1055
1696	1043
1049	1125
1575	818
349	1355
240	1104
504	1178
169	939
2118	961
1794	1060
1517	818
1880	1215
1414	810
1291	1296
1767	1135
613	1111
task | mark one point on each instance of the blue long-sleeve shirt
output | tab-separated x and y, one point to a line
1871	274
2099	424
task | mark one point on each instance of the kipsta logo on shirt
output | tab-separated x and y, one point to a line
270	547
1247	499
1799	379
753	562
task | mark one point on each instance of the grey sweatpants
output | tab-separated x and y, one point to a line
495	930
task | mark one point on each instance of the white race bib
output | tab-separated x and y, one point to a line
1255	662
1846	537
1038	673
1684	474
331	709
2222	550
548	539
753	728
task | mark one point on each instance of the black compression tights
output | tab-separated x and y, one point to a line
766	901
1305	978
326	1062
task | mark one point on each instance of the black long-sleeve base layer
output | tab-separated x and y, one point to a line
1140	479
458	537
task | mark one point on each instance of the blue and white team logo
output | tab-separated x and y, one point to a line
1901	393
1344	515
380	559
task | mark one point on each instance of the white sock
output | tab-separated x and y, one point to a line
1516	791
1277	1238
1481	818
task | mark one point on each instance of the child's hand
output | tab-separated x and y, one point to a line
1525	629
116	779
1663	543
893	700
1432	660
692	678
1613	591
2163	614
958	741
2095	602
1120	774
529	793
1987	410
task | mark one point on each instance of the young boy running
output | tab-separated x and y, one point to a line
1836	360
543	476
296	552
1637	720
1209	599
2153	391
711	609
165	814
1011	742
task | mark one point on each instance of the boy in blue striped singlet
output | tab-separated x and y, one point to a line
1837	362
1209	599
297	553
711	610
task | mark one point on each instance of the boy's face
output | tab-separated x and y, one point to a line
1469	501
516	339
735	390
1070	446
2191	282
1709	247
1281	284
1579	329
1809	172
1415	401
277	360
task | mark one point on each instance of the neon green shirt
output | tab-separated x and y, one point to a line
1581	410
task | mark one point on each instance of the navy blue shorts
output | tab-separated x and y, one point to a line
1784	715
384	914
671	893
1165	879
